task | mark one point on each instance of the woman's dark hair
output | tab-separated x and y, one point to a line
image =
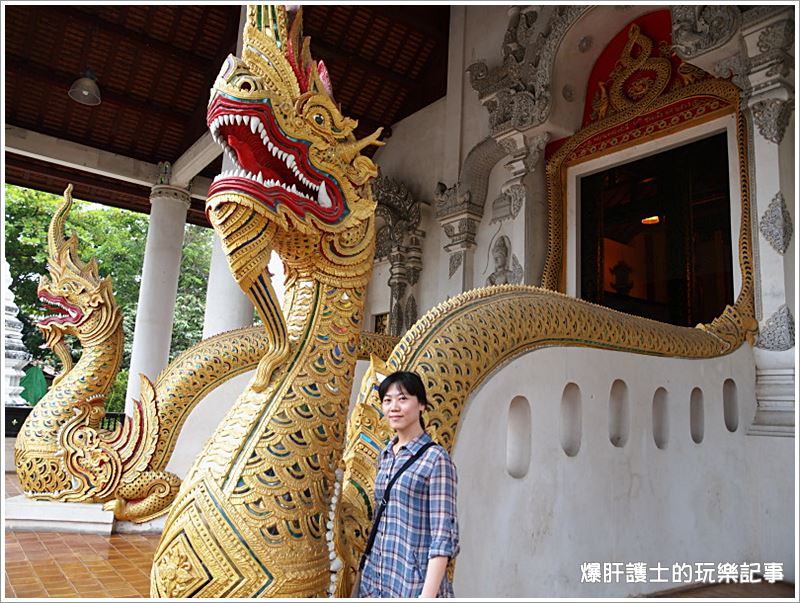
408	382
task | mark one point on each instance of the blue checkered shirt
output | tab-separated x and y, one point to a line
419	522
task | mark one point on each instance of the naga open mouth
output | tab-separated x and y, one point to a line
268	164
62	311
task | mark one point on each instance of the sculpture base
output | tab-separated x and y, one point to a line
25	514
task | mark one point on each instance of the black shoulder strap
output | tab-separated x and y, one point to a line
385	500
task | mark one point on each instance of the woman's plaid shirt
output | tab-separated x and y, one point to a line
419	522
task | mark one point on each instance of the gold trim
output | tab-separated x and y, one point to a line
554	276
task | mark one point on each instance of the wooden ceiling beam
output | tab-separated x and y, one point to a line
139	39
406	16
21	68
321	50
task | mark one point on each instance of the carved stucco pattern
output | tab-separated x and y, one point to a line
778	332
777	36
456	259
396	206
401	241
518	93
776	224
737	67
699	29
772	117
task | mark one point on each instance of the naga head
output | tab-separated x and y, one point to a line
297	164
80	302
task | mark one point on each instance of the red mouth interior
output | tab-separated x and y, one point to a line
268	164
253	156
61	310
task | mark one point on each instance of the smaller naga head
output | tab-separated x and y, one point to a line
297	164
81	303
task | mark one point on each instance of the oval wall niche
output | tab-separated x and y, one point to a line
518	439
660	418
619	415
730	405
571	419
696	415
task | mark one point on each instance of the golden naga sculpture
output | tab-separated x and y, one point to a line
250	518
61	453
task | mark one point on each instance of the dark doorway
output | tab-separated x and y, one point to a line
655	235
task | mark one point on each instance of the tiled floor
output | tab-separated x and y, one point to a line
48	564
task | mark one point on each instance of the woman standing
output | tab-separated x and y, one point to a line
418	532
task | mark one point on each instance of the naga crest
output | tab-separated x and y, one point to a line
297	162
80	302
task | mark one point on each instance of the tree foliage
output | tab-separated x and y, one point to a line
116	237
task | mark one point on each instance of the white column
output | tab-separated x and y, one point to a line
769	42
227	307
162	263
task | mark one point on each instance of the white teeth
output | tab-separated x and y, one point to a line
322	198
246	119
254	123
290	161
271	147
238	120
260	178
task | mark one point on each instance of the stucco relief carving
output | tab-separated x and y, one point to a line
776	224
778	332
508	204
456	259
772	116
736	67
698	29
396	206
777	36
507	269
400	240
518	93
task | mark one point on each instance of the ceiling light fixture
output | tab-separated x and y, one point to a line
85	90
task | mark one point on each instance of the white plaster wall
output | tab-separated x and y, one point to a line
434	259
726	499
413	154
378	294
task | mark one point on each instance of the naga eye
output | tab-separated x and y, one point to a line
319	119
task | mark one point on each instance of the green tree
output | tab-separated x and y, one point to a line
116	237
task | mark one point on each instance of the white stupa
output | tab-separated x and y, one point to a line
16	356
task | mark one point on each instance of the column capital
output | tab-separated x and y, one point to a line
170	192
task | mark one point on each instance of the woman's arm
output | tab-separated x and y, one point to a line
433	577
443	523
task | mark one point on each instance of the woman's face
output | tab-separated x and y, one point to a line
402	410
